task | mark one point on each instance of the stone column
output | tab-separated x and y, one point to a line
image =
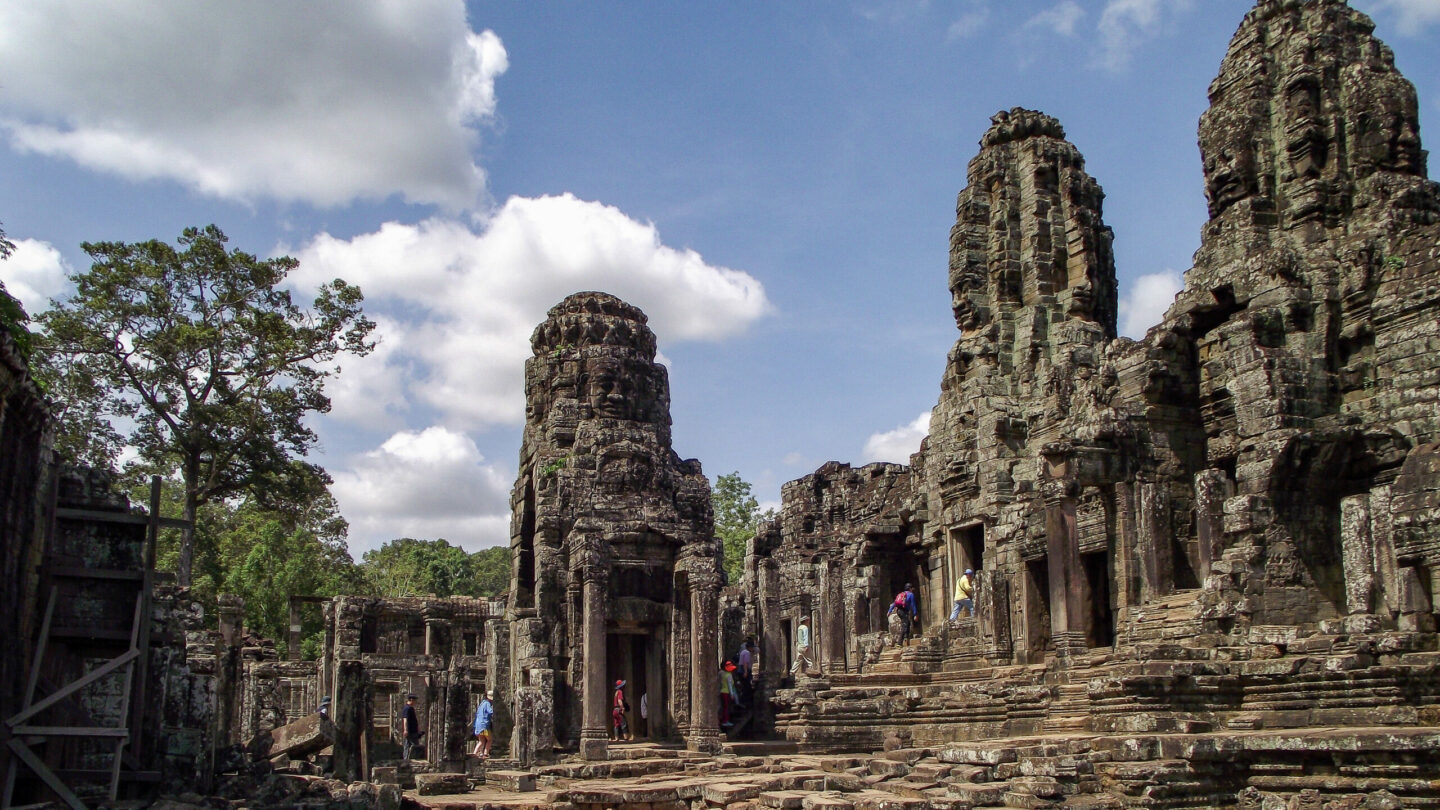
1069	613
1156	543
705	673
351	711
1212	487
595	728
1357	556
292	651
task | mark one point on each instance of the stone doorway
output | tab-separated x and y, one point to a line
1100	621
637	657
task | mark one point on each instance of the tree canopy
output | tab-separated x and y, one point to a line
410	567
210	359
737	518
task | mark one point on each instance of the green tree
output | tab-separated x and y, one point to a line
281	559
12	315
213	362
492	571
410	567
737	518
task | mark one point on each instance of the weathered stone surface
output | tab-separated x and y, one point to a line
612	531
441	784
301	738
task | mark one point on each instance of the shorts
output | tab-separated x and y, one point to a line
483	735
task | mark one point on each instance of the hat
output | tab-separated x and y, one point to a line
969	570
489	693
619	684
410	696
324	700
804	618
729	666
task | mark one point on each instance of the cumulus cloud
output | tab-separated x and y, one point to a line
427	484
897	445
1060	18
35	273
1412	16
464	301
1147	299
321	102
1125	24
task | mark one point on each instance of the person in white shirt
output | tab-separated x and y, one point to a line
802	647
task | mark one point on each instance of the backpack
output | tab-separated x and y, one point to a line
899	599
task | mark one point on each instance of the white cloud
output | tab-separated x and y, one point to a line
323	102
1060	18
1147	299
427	484
969	23
35	273
897	445
1413	16
464	302
1125	24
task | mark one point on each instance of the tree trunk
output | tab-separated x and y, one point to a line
187	532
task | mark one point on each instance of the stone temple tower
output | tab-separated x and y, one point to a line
1307	314
615	558
1032	282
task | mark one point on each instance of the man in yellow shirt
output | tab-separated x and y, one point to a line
964	595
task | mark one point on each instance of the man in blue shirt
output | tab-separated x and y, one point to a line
410	725
484	719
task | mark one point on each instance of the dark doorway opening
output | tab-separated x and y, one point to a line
1100	629
525	552
627	658
1037	608
971	547
788	656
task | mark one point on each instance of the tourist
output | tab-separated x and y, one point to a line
410	726
324	710
484	719
645	713
743	675
904	605
727	693
912	605
964	595
802	647
618	707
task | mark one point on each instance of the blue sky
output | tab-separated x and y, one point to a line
773	183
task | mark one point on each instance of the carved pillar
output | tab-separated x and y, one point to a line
1356	554
595	728
1212	487
1155	539
1069	590
705	674
679	691
292	651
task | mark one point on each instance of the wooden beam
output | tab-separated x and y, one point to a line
46	775
100	732
70	688
102	516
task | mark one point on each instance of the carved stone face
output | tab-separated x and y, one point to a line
1390	140
1230	171
610	391
1306	143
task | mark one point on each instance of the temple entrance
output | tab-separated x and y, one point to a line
1037	609
1100	618
635	656
967	548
